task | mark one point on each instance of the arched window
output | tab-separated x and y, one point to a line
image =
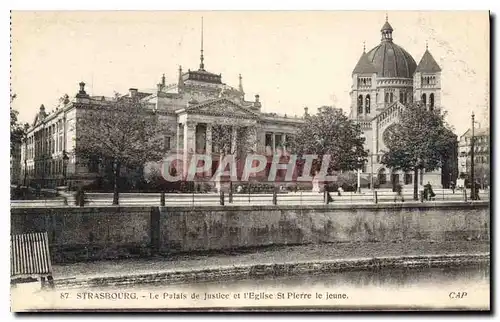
367	104
360	104
387	97
401	97
392	98
424	99
431	101
382	177
406	97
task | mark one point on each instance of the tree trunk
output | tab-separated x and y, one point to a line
115	187
415	184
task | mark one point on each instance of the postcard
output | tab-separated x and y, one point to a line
250	161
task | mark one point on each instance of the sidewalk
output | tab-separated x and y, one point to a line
262	256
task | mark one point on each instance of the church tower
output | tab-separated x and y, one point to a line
364	89
427	81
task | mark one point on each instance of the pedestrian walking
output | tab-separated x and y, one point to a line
398	189
452	186
428	192
328	197
340	191
477	186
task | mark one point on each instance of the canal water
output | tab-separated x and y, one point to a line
430	288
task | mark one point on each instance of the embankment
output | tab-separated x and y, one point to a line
94	233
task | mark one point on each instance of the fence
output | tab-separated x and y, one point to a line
288	198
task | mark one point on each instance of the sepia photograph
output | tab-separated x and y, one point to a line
256	161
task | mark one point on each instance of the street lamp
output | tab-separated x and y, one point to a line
472	181
359	174
371	169
65	159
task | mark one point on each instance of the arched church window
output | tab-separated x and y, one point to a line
431	101
367	104
391	97
424	99
360	104
401	97
387	97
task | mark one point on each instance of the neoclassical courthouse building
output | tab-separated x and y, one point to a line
383	81
188	108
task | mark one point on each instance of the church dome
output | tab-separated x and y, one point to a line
389	59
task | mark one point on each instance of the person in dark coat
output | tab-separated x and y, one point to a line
477	186
428	192
398	189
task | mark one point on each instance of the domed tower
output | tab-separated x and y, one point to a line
392	80
427	81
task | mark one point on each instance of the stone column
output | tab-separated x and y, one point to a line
234	139
180	140
253	138
273	136
208	139
189	143
208	145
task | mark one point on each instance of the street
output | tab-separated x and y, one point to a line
290	198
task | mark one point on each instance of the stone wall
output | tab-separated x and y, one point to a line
114	232
88	233
211	228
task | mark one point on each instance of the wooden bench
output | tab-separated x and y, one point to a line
30	259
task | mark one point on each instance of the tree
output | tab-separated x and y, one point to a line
482	173
331	132
17	131
420	140
222	142
125	132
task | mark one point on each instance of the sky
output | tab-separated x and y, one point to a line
291	59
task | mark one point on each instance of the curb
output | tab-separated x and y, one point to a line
209	274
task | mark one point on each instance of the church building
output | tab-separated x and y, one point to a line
384	81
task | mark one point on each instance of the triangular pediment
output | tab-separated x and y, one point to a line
35	121
221	107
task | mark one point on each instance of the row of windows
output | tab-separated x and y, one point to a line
389	98
481	159
367	104
365	81
382	177
478	139
45	168
206	77
429	80
431	100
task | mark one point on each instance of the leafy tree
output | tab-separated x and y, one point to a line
330	132
482	173
125	133
420	140
222	143
17	131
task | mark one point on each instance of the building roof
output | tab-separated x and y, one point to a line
202	76
485	131
428	64
387	26
364	66
391	60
